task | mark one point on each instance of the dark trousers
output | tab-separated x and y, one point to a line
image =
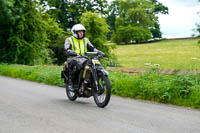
74	66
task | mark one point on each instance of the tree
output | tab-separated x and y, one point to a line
159	8
113	14
56	37
198	26
24	34
135	20
7	22
68	12
96	30
198	30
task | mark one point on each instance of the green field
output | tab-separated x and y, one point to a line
170	54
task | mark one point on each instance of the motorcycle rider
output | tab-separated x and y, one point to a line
74	46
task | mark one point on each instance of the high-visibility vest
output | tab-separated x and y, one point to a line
78	45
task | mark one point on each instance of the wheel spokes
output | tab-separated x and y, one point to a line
101	94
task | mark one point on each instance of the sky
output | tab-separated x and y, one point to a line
181	20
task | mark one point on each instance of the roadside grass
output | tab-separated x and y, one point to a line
183	90
46	75
170	54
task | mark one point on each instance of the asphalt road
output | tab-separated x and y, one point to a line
28	107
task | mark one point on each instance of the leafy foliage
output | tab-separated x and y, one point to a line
68	12
135	20
198	30
29	35
140	14
97	30
57	36
159	8
113	13
181	90
57	46
25	33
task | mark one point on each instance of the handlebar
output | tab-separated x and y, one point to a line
91	53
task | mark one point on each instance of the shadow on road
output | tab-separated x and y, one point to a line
79	102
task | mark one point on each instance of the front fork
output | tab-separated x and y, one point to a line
95	78
95	75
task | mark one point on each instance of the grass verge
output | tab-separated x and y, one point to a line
46	75
182	90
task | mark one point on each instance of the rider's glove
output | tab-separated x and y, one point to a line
71	53
101	53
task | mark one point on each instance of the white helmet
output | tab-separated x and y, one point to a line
76	28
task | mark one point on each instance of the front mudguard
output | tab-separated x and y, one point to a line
102	71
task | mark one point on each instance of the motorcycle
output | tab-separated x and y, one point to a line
92	80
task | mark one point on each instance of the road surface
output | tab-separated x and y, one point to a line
28	107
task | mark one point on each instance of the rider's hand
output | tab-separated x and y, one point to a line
101	53
72	53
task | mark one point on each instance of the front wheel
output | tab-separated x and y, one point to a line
103	94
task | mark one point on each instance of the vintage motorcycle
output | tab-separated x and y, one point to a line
92	81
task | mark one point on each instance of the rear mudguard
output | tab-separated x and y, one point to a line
62	74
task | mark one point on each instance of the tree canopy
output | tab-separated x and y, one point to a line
198	26
159	8
33	31
198	29
68	12
96	30
135	20
25	32
113	11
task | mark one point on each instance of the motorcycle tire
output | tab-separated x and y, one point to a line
104	90
71	95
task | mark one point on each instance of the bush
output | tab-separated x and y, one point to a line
181	90
96	30
57	46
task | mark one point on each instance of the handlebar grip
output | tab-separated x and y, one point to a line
102	53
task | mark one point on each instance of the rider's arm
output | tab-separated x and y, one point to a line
90	47
93	49
68	48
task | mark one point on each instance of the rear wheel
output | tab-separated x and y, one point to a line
103	94
71	95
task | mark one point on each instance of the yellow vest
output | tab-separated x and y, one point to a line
78	45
